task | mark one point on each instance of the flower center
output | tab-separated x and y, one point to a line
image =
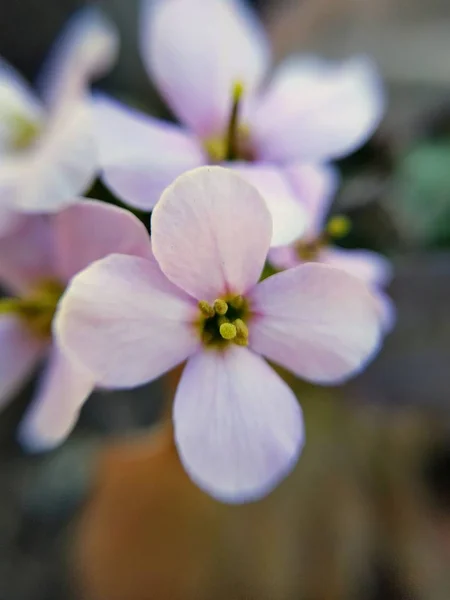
224	322
23	132
336	228
37	309
234	144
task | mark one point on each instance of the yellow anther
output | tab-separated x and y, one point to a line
237	302
220	306
241	328
338	226
206	309
227	331
240	341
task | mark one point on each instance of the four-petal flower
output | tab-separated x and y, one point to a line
238	426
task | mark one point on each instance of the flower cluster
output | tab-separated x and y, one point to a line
244	179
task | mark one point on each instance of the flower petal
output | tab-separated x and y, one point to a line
373	268
86	49
27	254
20	352
90	230
314	186
319	322
386	310
238	426
288	214
17	103
63	389
317	111
124	321
61	166
196	50
211	232
139	155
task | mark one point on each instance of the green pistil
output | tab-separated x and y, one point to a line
232	149
230	146
37	309
223	322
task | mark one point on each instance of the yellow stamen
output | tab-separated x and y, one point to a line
220	306
338	226
37	309
237	302
228	331
241	328
206	309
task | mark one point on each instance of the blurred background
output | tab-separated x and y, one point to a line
110	515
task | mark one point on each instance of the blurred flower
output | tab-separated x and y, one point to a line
209	58
37	260
316	245
47	150
238	426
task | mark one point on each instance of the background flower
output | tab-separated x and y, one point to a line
211	77
47	149
36	262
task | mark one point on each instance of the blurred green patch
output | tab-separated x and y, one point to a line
422	192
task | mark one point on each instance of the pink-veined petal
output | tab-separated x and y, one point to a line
90	230
17	104
238	426
211	231
122	319
27	254
62	391
314	186
139	155
86	49
319	322
289	217
317	111
196	50
20	352
373	268
61	165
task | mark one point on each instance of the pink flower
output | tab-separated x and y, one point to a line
238	426
48	153
317	242
209	59
36	262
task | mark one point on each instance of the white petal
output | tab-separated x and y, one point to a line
86	49
317	321
238	426
317	111
196	50
124	321
19	354
139	155
211	231
63	389
289	216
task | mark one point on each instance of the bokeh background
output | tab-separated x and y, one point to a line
110	515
